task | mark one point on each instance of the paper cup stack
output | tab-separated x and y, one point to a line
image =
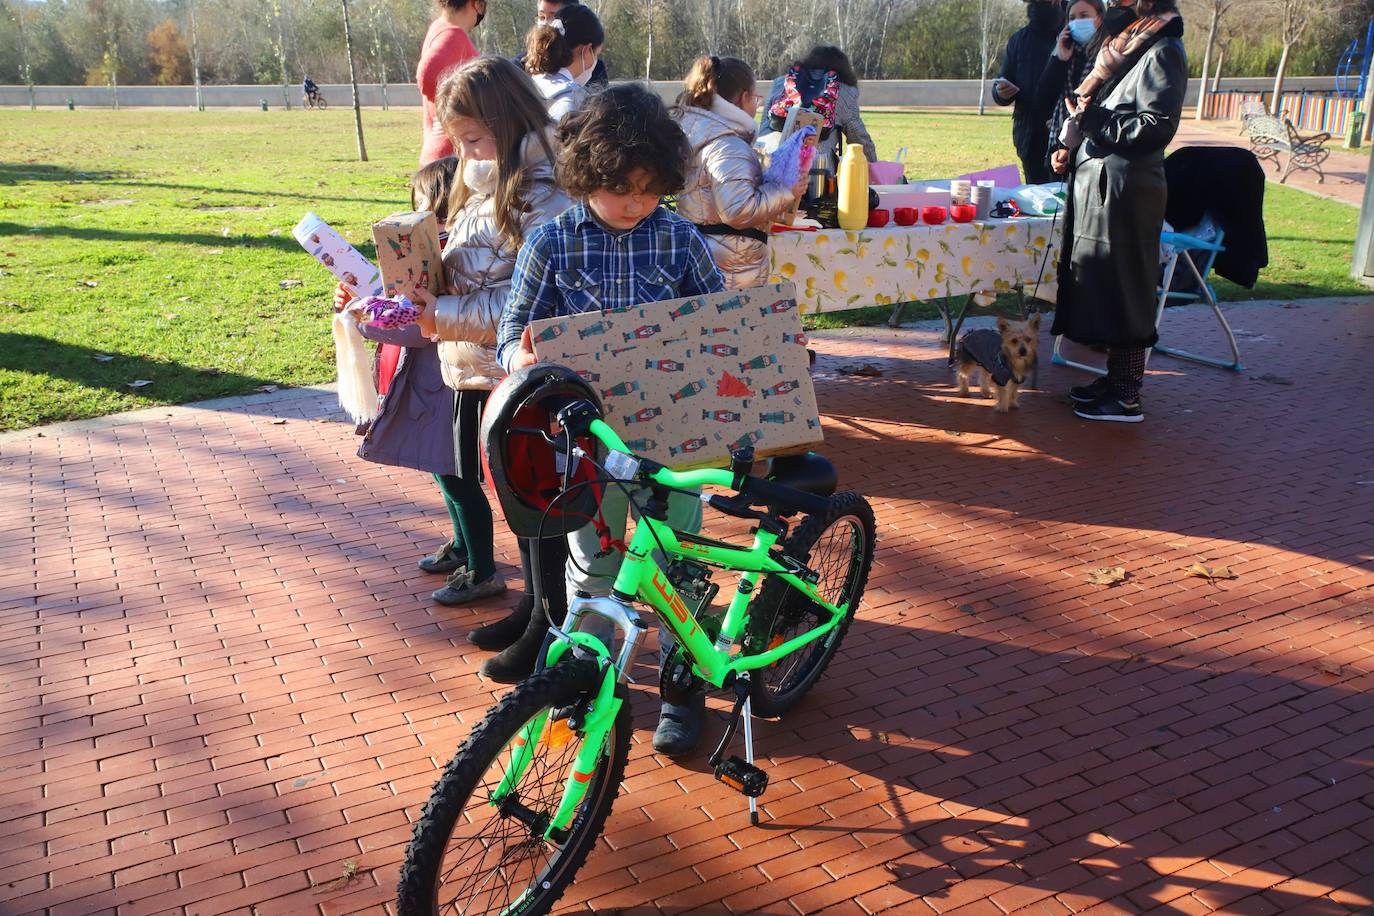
981	198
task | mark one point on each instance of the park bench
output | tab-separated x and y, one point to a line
1269	137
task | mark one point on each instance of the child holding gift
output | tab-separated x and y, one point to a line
621	153
414	428
505	189
726	194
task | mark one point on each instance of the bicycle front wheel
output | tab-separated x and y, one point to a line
321	104
472	855
838	546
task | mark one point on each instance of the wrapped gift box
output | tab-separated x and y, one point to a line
343	260
687	381
408	252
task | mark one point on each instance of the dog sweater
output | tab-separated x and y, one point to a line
984	347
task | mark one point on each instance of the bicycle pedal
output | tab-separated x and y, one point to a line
742	776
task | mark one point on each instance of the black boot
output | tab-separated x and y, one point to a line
516	662
679	727
501	633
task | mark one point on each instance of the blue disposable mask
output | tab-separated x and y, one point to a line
1082	30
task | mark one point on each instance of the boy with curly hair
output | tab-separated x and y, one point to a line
615	248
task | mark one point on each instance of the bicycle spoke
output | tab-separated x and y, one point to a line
521	856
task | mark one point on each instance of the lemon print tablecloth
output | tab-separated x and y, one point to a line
835	269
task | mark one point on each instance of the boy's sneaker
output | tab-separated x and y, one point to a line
446	559
1092	392
1112	410
460	589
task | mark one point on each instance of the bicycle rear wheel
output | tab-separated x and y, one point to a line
838	546
472	857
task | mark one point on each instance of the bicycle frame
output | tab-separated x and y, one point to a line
640	575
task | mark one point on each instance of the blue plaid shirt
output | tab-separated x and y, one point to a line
574	264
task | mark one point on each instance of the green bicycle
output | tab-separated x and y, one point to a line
519	807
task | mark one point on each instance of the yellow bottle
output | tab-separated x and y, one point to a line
853	202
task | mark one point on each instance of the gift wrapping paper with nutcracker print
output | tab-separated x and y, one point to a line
408	252
687	381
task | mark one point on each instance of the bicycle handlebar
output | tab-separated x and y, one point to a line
755	490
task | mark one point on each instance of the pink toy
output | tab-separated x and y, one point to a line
389	314
792	158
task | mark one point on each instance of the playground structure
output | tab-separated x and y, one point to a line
1352	72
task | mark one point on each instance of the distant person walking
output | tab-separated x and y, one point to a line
446	46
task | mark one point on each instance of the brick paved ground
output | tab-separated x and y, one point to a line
221	679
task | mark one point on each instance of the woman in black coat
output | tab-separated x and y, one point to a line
1128	110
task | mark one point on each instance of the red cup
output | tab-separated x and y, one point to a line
934	216
905	216
963	213
877	219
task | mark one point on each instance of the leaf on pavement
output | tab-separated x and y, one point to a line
1108	575
1210	573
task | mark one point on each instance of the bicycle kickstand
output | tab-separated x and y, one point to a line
741	775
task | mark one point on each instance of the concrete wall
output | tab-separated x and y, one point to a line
918	93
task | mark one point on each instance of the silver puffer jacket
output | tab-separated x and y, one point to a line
479	264
726	186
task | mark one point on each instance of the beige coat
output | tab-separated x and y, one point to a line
479	262
726	186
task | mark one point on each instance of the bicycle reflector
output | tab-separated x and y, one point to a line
524	451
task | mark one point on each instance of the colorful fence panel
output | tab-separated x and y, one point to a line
1310	112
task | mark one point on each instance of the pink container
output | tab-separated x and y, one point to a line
877	219
906	216
963	213
934	216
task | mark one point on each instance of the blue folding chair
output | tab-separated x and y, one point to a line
1192	252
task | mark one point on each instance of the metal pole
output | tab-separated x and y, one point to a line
1362	265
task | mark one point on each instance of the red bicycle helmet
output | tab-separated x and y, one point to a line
525	469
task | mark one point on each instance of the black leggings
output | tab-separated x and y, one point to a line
553	555
1126	371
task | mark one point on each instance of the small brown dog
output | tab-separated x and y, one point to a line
1005	357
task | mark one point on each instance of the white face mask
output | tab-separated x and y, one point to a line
480	175
585	76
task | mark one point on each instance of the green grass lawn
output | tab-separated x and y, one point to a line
161	238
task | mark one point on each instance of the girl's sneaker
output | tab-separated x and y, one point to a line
446	559
1110	409
460	589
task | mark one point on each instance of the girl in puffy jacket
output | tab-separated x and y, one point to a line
505	188
561	54
726	196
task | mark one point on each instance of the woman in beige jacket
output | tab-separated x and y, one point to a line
506	188
726	195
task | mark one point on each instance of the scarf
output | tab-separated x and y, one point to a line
1117	51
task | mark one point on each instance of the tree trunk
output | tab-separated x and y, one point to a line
378	53
649	55
24	47
1276	105
281	54
984	40
1207	61
1221	62
195	58
353	79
